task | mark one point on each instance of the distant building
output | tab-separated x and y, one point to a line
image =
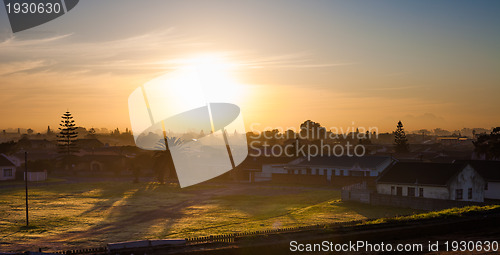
36	144
490	171
100	163
8	168
274	166
256	169
366	166
458	181
90	143
454	140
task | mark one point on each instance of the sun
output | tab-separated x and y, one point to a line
216	76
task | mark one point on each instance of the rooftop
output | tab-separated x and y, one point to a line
488	169
436	174
345	161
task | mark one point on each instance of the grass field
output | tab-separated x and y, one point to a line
65	216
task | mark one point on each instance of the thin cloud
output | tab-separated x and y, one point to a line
21	66
392	88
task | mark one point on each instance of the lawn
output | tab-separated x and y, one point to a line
65	216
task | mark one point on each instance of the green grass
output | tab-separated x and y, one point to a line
65	216
443	214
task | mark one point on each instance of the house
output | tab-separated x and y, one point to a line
490	171
256	169
100	163
7	168
457	181
90	143
36	144
366	166
274	166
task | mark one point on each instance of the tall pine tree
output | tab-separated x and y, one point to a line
67	136
400	140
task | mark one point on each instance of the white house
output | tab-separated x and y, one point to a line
257	169
340	166
490	171
457	181
7	168
268	169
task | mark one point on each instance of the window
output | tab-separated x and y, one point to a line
411	191
486	186
393	190
7	172
459	194
421	192
469	195
399	191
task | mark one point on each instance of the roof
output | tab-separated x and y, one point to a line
435	174
4	161
257	162
345	161
91	142
488	169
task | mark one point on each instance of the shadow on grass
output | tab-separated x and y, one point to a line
130	211
374	212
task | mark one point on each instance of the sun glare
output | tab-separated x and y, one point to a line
216	76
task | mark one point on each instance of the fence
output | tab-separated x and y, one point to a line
36	176
340	227
84	251
230	238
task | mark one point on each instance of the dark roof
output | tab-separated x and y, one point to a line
5	161
257	162
488	169
89	143
437	174
345	161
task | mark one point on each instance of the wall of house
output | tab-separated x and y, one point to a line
274	168
339	171
5	178
468	178
493	191
362	196
429	191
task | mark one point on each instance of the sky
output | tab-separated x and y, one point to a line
340	63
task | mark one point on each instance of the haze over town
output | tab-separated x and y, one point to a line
429	64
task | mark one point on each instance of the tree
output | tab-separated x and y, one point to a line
91	133
311	130
163	162
488	145
67	136
400	140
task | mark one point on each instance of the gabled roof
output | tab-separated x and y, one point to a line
435	174
488	169
344	161
4	161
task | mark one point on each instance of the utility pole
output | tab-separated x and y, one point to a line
26	185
